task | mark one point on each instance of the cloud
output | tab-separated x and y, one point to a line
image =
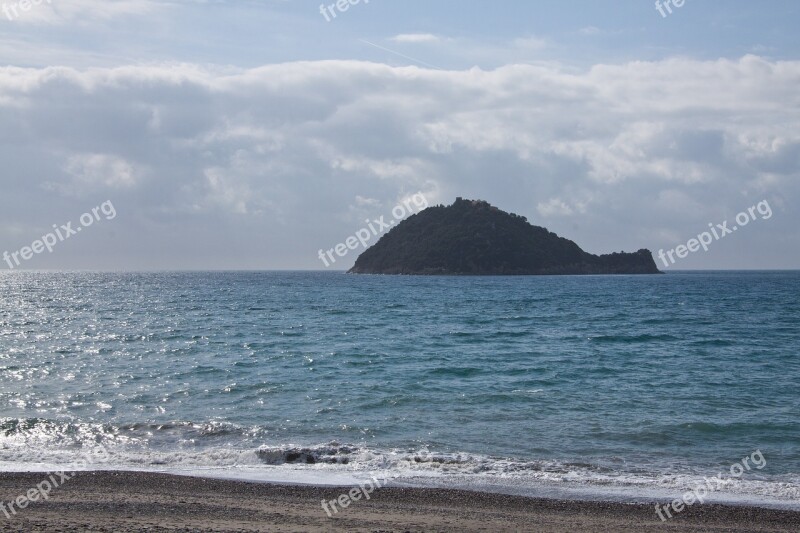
272	163
100	169
531	43
416	38
555	206
590	30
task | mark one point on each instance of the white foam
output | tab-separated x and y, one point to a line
334	464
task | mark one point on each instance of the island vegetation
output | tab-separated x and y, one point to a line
472	237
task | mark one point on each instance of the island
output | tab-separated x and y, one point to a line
472	237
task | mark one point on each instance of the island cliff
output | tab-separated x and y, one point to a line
472	237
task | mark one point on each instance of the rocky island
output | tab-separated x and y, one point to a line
472	237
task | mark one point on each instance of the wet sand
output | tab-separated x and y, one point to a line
130	501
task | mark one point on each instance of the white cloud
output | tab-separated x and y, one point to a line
416	38
531	43
554	206
86	173
227	191
370	202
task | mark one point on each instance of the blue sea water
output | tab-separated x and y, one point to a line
629	387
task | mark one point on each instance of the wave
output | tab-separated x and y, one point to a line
226	450
715	342
332	453
632	339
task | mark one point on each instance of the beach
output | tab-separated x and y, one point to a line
133	501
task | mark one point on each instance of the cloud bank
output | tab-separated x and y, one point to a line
259	168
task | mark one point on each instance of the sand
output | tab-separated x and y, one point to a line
129	501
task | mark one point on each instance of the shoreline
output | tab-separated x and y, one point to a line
135	501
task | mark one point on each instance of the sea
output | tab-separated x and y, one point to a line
624	388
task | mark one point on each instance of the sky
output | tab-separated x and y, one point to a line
249	135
